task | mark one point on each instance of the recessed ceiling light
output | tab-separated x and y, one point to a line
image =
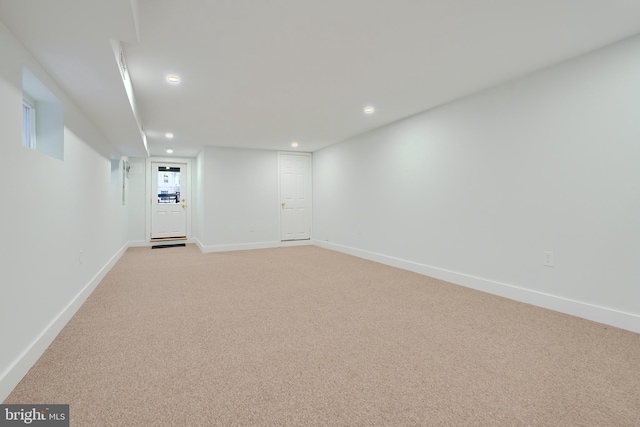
169	150
168	135
369	110
294	144
173	79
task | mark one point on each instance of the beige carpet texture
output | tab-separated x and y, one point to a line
304	336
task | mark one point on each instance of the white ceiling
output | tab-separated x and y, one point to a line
261	74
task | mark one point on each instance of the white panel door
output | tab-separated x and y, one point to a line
295	196
168	200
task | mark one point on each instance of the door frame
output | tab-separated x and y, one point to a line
310	210
149	197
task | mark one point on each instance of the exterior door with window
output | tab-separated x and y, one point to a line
168	200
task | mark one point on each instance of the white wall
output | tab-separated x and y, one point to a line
51	210
136	202
476	190
198	214
239	189
232	189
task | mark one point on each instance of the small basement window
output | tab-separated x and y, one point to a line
28	122
42	117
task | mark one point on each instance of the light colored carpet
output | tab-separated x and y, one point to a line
306	336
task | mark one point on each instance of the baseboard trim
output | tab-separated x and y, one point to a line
10	378
247	246
287	243
618	319
236	247
139	243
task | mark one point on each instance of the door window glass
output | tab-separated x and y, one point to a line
168	184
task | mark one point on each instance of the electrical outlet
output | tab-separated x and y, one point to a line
252	228
547	258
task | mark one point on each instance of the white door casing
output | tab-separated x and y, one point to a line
168	200
295	196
